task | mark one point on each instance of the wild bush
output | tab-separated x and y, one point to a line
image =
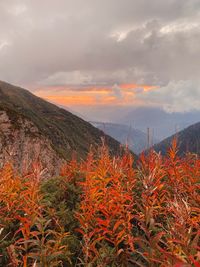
103	211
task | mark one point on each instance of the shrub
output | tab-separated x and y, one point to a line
104	211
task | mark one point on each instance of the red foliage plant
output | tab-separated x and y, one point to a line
143	214
147	216
31	241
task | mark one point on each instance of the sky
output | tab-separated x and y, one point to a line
104	53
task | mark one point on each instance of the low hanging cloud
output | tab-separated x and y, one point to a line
181	96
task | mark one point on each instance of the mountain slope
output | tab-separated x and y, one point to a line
63	131
135	139
188	141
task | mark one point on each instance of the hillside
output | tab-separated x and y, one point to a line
135	139
24	115
188	141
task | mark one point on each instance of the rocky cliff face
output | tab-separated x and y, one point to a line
22	145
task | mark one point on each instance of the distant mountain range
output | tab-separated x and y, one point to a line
136	140
31	129
188	141
162	123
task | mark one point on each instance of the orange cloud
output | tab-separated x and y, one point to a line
92	95
72	100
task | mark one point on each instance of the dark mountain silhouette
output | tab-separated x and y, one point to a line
188	141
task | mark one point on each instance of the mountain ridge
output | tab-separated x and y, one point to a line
65	132
188	140
135	139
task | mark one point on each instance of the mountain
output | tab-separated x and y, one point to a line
32	128
135	139
188	141
163	123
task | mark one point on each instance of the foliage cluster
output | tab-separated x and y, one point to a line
104	211
30	234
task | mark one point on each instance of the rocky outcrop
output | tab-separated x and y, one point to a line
21	144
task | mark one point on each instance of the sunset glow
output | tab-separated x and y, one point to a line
123	94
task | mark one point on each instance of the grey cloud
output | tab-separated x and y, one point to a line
75	42
180	96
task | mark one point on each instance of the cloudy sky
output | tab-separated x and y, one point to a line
104	52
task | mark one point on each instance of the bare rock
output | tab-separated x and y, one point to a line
24	145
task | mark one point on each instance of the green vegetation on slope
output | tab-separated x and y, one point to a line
66	131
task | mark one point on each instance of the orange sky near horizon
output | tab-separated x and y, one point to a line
123	94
